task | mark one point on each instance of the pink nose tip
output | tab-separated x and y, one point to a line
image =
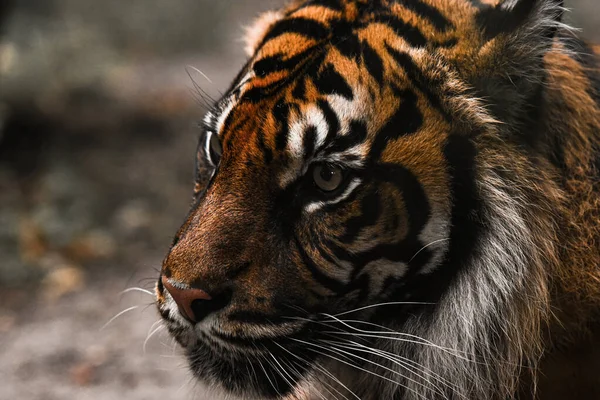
185	297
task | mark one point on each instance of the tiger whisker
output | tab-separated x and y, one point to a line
118	315
327	324
282	371
401	339
415	339
265	371
199	90
137	289
354	365
322	369
406	366
328	373
388	331
426	246
337	347
402	303
365	323
403	360
201	73
151	333
253	369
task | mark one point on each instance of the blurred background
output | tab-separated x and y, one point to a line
99	102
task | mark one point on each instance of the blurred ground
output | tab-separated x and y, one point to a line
97	134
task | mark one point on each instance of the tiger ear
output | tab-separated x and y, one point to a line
256	31
523	17
508	67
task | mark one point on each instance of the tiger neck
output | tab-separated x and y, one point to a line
571	125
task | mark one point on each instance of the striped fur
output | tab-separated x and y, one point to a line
459	256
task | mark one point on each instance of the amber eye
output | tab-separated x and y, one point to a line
215	148
327	177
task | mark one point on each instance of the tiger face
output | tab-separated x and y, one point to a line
336	182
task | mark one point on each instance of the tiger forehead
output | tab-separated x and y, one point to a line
321	20
327	64
312	35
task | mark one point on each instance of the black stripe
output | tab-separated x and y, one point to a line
425	11
322	249
277	63
281	113
345	38
303	26
393	252
313	61
370	211
417	78
256	94
406	120
299	91
411	34
309	140
226	129
467	221
332	120
331	4
266	151
413	195
447	43
326	281
418	211
356	136
230	127
329	81
373	62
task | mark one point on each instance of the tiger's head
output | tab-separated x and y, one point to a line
338	186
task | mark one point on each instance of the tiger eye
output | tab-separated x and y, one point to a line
216	151
327	177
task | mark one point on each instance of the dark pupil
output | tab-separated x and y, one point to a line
215	148
213	153
326	174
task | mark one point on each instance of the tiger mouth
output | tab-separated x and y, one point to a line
264	367
238	340
266	373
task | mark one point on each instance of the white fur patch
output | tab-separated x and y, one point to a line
313	117
255	33
314	206
346	111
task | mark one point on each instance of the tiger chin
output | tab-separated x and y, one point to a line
396	199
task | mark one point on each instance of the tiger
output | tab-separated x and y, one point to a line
396	199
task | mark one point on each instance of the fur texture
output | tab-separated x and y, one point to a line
459	255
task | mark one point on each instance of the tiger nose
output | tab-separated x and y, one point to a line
193	303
